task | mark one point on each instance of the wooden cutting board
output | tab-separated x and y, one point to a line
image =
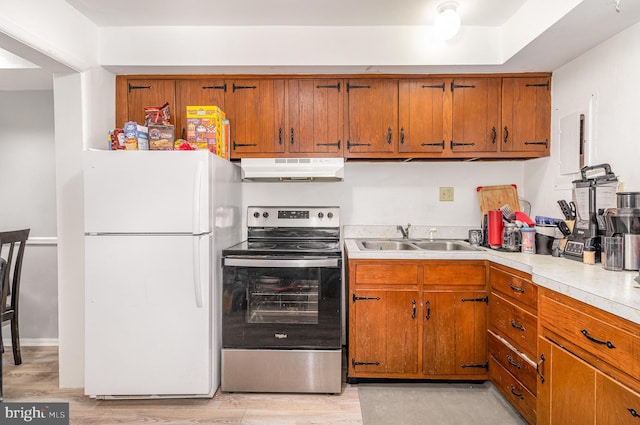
494	197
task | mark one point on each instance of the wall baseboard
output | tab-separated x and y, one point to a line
32	342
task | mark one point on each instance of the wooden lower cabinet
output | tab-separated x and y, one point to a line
512	389
406	321
384	334
586	380
454	333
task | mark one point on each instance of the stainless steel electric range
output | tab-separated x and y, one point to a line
282	288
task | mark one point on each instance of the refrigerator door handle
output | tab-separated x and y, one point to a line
197	282
197	195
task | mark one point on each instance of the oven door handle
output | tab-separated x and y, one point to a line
284	262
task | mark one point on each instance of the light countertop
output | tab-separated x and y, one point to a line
616	292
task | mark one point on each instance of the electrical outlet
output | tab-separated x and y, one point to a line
446	194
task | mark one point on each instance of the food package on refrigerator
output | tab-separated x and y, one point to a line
205	127
161	137
136	136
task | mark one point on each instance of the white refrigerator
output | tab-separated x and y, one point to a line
155	225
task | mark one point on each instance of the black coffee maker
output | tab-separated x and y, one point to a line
593	194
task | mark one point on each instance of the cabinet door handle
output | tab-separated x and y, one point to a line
506	134
413	306
539	368
517	326
633	412
292	138
402	136
609	344
389	135
516	288
280	136
512	363
513	391
428	304
494	135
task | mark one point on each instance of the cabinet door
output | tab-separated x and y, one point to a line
383	332
143	93
196	92
526	115
615	403
568	394
255	109
372	107
314	114
424	115
475	114
455	333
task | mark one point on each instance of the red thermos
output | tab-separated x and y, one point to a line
495	226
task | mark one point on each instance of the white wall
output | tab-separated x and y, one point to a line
396	192
606	78
27	188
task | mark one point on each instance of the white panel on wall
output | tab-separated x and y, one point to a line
570	143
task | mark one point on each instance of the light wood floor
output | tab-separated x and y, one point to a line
36	380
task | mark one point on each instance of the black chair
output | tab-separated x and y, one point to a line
12	244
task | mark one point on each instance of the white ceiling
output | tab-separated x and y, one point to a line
289	12
587	25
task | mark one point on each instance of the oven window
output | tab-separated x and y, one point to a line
280	298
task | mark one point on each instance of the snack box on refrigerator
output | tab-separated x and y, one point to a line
136	136
161	137
204	127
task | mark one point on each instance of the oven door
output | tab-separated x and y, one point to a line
278	302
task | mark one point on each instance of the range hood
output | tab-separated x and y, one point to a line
292	169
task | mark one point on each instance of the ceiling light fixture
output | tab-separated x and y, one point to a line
448	21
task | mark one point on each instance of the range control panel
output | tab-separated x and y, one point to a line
293	217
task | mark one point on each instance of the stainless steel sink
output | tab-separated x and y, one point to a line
444	246
413	245
386	245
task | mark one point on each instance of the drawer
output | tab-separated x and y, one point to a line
515	288
522	369
386	273
519	396
615	403
583	328
460	274
514	324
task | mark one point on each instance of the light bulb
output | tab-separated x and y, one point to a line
448	21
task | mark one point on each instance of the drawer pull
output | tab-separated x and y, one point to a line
517	326
609	344
516	288
513	391
633	412
512	363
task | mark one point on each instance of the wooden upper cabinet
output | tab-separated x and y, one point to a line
475	114
526	115
314	117
207	92
255	109
424	116
140	94
372	117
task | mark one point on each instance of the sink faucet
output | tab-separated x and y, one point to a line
405	232
431	232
